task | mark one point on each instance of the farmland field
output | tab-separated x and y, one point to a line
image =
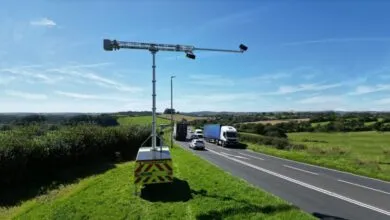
178	117
141	120
200	191
277	121
365	153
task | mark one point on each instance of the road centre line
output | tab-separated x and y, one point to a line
355	184
300	169
259	158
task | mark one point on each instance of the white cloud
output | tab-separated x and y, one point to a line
81	96
4	80
321	99
338	40
304	87
96	79
43	22
211	80
276	76
28	73
385	101
360	90
26	95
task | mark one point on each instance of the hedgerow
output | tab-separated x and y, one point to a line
276	142
32	152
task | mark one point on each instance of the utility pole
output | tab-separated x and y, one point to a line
172	124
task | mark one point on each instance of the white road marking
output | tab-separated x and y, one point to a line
319	167
329	193
234	156
300	169
364	187
259	158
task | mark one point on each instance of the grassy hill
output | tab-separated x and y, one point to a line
277	121
179	117
141	120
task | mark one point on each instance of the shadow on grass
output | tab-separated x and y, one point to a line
177	191
247	208
11	196
327	217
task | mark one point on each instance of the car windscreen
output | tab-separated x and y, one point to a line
231	134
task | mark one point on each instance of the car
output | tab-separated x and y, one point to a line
194	136
197	144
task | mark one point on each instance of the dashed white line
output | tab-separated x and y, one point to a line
364	187
251	156
319	167
329	193
300	169
234	155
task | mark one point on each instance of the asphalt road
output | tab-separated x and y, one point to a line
320	191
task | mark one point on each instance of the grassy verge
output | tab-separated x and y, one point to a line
141	120
363	153
200	191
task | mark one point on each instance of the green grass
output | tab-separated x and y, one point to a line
179	117
125	120
201	191
364	153
315	124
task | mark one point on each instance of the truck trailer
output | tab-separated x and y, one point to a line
180	131
221	135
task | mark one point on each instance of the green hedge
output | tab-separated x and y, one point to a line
33	152
279	143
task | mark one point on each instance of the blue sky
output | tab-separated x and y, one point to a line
327	55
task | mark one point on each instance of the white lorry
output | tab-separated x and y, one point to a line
221	135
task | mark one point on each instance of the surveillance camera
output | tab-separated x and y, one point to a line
190	55
243	47
107	45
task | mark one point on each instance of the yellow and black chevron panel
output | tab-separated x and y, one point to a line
148	172
153	179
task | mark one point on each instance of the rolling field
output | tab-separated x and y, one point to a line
141	120
178	117
200	191
277	121
364	153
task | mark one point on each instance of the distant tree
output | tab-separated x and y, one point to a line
169	111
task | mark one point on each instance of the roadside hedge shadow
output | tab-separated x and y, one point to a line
176	191
13	195
327	217
247	208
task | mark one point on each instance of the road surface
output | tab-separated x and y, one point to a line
320	191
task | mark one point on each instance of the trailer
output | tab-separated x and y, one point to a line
221	135
180	131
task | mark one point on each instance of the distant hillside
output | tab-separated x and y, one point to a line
179	117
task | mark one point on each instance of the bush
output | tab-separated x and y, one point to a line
279	143
31	153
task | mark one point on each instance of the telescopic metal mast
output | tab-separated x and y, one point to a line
110	45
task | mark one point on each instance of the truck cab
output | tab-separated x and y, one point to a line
228	136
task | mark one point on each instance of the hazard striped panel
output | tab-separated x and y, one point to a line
149	172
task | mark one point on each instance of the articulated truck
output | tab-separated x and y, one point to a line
180	131
221	135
